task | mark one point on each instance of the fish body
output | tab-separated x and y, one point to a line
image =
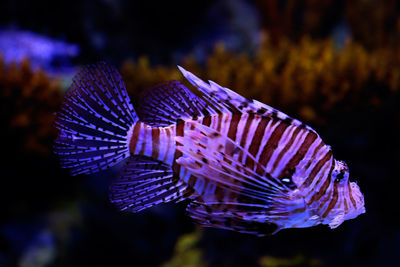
242	165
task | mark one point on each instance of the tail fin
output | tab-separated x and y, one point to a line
95	121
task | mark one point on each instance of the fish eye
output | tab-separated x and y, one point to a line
288	182
339	177
341	172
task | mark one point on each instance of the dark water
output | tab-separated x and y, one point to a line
50	218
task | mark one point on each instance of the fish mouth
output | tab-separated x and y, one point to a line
359	199
337	220
338	215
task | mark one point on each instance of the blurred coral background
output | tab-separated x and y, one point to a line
332	64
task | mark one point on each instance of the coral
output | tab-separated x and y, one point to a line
298	260
42	51
187	252
28	102
140	75
311	79
379	29
319	18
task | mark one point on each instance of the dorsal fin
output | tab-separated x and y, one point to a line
227	100
164	104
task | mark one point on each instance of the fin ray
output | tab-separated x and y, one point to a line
165	103
231	219
143	183
94	122
208	154
229	101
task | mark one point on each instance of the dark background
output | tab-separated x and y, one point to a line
49	218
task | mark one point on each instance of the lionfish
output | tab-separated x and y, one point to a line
243	165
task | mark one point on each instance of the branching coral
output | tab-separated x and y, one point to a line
186	252
298	260
310	80
28	102
372	23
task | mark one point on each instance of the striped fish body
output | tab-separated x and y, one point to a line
242	165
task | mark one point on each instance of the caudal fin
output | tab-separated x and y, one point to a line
95	121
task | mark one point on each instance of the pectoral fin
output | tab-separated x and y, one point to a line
231	219
209	155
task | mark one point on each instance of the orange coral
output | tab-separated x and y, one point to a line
309	80
28	102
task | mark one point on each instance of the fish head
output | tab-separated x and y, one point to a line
347	201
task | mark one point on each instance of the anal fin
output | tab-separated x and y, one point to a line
144	182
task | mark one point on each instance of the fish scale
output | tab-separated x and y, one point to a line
241	164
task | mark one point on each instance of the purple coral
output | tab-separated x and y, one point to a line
41	51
